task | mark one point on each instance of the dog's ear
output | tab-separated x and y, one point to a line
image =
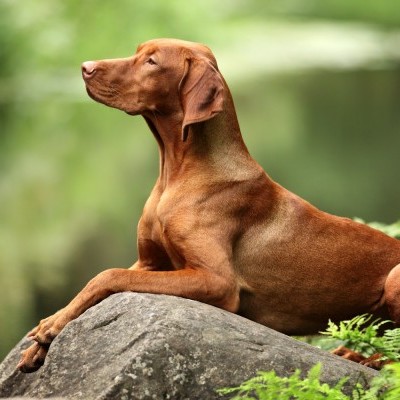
201	91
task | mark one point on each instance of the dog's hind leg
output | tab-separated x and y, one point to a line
392	294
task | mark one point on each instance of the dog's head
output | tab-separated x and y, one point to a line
165	77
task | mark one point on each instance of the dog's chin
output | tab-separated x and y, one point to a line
93	96
98	99
132	112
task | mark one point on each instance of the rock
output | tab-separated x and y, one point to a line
146	346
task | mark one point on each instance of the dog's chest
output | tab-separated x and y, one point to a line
163	229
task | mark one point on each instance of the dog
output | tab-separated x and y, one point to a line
216	228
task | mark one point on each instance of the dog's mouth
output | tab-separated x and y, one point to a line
106	97
90	93
96	96
108	94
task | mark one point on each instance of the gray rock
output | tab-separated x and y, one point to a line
145	346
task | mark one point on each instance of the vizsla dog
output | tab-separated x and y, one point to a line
216	228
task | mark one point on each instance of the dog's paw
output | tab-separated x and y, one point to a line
375	362
32	358
48	328
348	354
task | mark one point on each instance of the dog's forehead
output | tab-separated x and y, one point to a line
175	45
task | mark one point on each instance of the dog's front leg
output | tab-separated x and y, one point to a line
196	284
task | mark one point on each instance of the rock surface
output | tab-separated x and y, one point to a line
144	346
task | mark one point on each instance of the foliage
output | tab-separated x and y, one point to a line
386	386
269	386
364	338
379	12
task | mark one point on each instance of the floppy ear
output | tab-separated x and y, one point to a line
202	93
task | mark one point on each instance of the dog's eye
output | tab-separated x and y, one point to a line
151	61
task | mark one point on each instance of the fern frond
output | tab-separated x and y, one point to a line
361	334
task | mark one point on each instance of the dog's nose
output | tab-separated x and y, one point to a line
88	69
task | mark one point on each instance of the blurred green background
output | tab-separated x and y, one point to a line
317	90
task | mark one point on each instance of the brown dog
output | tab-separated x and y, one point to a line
216	228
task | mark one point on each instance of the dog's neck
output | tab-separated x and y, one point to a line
215	146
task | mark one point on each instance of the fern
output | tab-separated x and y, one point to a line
359	336
386	386
390	346
269	386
